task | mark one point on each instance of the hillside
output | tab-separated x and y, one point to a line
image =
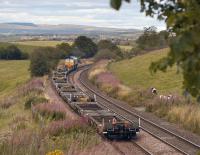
31	28
12	74
135	73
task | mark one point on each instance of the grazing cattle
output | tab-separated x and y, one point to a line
154	91
167	99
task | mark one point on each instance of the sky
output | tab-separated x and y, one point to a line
79	12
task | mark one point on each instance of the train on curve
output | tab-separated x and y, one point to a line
108	124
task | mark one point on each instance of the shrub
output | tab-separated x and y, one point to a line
8	101
33	99
108	50
52	111
34	86
105	54
18	123
56	128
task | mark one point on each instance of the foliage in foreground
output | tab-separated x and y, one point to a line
30	142
56	152
52	111
182	19
26	136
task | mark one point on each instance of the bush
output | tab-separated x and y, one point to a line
57	128
43	60
64	50
108	50
151	39
33	100
51	111
105	54
86	46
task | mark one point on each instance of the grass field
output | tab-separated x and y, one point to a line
23	48
40	43
12	73
135	73
126	47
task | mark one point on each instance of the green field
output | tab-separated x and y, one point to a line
40	43
126	47
12	73
23	48
135	73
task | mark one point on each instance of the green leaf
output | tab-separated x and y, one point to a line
116	4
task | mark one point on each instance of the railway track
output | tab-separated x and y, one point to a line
145	151
170	138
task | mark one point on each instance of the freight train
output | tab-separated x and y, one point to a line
108	124
71	63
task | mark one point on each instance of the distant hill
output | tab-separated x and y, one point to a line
22	24
31	28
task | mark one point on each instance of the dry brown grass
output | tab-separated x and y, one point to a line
186	115
98	68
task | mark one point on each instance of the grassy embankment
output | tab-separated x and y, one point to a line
135	75
40	128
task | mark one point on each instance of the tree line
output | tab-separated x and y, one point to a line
45	59
12	52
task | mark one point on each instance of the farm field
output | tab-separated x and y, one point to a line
125	47
40	43
135	73
23	48
12	74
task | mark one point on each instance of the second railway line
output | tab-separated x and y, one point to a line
170	138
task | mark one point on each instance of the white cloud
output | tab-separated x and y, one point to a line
81	12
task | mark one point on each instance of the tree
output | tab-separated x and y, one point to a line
43	60
64	50
86	46
182	19
106	44
105	54
151	39
12	52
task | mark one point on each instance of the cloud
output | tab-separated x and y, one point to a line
81	12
